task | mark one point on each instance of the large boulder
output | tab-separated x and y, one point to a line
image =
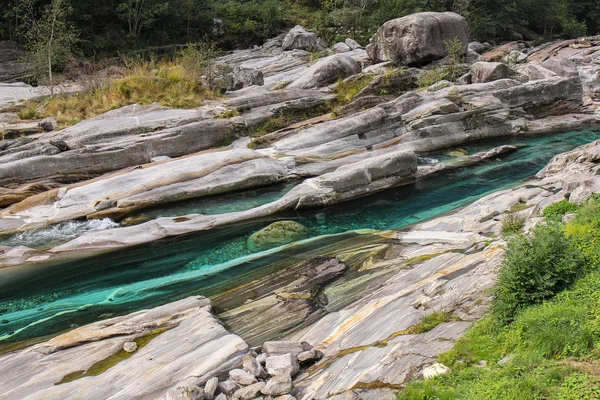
418	38
326	71
277	234
300	38
482	72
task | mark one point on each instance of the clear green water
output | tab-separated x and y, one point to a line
37	301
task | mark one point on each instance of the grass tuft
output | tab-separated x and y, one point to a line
146	82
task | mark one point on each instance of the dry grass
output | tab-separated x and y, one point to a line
167	84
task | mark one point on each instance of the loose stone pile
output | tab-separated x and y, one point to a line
265	374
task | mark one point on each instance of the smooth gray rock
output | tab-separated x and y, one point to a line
300	38
228	387
242	77
477	47
277	348
472	57
418	38
211	387
262	358
185	393
327	70
278	385
134	134
283	364
251	365
309	356
353	44
482	72
222	396
48	124
242	377
249	392
340	47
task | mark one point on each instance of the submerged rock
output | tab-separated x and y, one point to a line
418	38
277	234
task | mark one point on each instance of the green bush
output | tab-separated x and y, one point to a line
556	211
536	268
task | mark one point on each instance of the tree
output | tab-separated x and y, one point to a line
141	13
49	35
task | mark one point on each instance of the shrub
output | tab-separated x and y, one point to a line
512	224
556	211
535	269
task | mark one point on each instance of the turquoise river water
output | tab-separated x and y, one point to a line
45	299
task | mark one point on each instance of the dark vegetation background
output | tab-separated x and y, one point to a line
112	27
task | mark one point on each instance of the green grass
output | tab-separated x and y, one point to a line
512	224
553	344
428	322
346	90
28	111
165	83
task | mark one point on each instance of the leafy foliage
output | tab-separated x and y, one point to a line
536	268
109	27
556	211
48	34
